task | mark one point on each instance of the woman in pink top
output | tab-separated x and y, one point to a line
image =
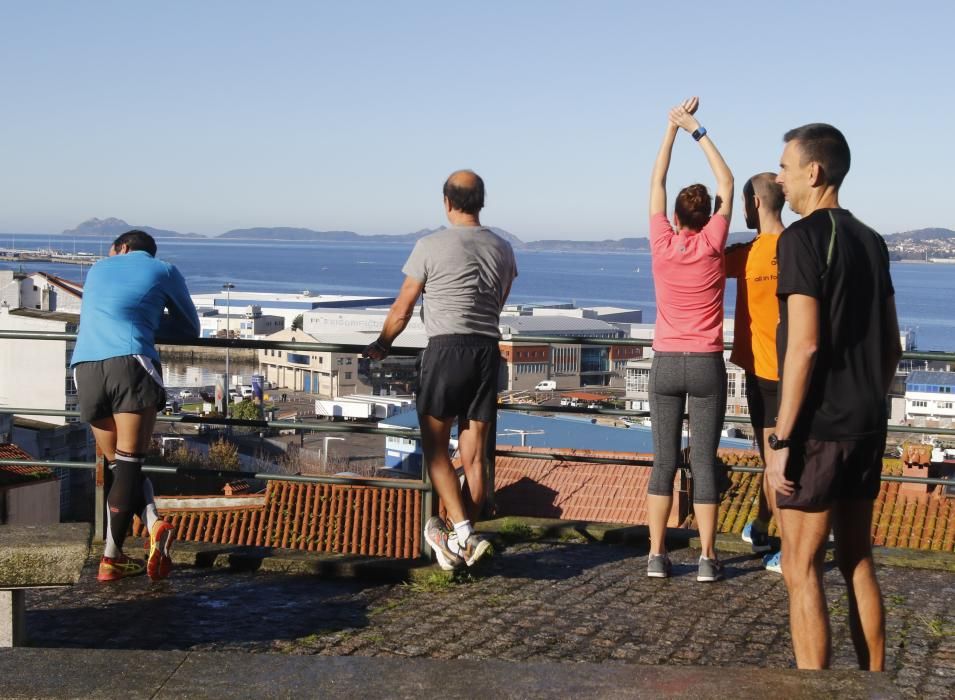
688	365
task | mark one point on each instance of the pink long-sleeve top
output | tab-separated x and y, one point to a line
689	279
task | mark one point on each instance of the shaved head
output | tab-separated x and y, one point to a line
770	194
464	190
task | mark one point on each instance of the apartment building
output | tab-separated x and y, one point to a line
930	396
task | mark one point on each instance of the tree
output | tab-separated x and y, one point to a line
224	455
297	322
245	410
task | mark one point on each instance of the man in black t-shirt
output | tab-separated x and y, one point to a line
838	346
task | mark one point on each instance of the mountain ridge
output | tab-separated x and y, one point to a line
112	227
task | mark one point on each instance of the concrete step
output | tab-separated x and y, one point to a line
111	673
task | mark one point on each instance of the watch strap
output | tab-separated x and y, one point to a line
699	133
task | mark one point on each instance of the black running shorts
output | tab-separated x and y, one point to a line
117	385
762	396
458	377
826	471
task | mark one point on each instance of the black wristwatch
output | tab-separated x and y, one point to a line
776	444
699	133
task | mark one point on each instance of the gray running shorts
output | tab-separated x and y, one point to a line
458	377
117	385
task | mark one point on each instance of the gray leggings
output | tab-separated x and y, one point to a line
673	377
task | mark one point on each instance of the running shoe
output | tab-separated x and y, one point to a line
161	538
774	562
658	566
474	548
437	536
756	536
710	570
113	569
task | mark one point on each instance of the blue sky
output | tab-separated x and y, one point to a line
206	116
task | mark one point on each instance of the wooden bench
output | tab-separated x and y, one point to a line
36	556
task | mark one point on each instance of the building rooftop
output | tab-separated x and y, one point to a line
64	316
922	376
552	325
565	433
75	288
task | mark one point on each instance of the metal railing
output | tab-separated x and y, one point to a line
422	484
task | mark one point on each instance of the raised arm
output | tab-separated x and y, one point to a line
658	180
682	117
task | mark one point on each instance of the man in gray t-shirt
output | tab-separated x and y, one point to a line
465	273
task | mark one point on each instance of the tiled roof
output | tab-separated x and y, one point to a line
612	493
312	517
15	474
617	493
387	521
924	521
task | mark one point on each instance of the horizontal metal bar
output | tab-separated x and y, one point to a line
560	457
238	422
415	485
537	408
401	350
415	434
884	477
412	484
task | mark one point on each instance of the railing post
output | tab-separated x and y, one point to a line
490	450
99	498
427	505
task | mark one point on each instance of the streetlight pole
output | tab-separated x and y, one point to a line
228	287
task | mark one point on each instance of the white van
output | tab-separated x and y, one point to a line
546	385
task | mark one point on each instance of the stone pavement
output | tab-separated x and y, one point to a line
535	602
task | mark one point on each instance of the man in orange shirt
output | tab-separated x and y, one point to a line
753	265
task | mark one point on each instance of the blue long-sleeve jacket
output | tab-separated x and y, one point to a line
122	312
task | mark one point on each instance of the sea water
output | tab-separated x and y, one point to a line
924	291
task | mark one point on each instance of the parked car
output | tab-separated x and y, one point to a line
546	385
187	394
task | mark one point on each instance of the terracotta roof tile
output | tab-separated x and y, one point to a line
16	474
313	517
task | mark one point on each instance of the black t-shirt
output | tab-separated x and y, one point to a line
846	399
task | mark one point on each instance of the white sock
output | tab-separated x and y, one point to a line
149	515
111	549
463	530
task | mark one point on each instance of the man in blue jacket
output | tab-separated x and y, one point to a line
119	384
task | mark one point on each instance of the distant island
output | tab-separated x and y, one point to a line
921	244
112	227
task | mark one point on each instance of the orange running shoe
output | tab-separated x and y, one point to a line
113	569
160	548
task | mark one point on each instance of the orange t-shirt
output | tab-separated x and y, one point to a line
753	265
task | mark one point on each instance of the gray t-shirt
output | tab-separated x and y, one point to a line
466	271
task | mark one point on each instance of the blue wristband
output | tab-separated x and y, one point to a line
699	133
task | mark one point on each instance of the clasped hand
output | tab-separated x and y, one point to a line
682	115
